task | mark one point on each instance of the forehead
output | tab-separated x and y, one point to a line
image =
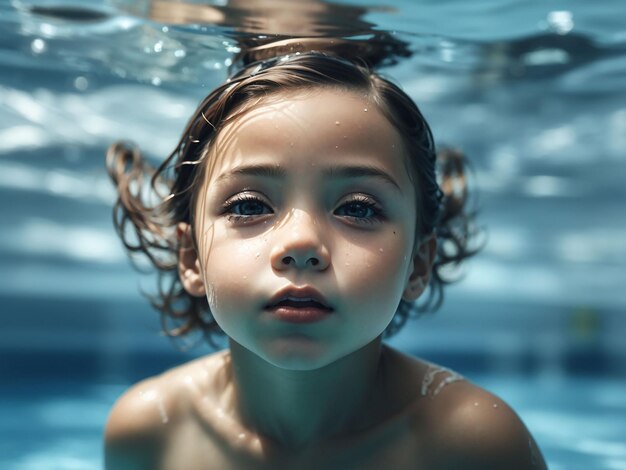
317	126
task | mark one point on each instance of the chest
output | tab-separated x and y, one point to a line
395	447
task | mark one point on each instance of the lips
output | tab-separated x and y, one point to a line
299	298
299	305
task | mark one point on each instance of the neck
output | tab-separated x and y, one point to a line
297	408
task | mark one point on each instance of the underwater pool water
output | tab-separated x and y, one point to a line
532	91
579	423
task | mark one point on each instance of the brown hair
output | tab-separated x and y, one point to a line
150	229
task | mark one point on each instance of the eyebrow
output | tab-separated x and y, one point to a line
337	171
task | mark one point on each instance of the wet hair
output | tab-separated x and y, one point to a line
147	224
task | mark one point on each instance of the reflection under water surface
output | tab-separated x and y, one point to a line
532	91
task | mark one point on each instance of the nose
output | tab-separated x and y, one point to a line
298	244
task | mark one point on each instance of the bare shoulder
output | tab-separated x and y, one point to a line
476	429
146	415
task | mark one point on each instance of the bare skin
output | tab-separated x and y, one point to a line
278	209
187	415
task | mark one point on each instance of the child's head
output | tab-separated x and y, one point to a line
248	205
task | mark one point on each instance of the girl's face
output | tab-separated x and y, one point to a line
308	189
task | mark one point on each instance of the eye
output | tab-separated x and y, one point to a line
361	209
244	207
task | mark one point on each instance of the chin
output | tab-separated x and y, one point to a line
298	353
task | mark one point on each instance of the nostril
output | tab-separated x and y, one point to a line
314	261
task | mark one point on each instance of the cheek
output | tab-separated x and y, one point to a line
377	271
230	269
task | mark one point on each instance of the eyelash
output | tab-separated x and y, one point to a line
366	202
227	208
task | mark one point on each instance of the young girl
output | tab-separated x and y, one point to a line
300	216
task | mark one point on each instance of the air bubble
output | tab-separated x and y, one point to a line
38	46
81	83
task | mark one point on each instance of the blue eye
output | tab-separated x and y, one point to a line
245	206
361	209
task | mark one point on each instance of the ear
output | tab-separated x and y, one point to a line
419	275
189	269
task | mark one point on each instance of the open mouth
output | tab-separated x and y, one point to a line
300	304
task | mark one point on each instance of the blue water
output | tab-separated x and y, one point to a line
533	91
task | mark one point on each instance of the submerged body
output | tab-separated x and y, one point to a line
312	218
188	418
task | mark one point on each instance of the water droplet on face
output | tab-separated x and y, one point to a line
242	435
347	264
257	255
290	144
495	405
336	146
381	250
337	123
475	403
365	109
245	278
345	137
